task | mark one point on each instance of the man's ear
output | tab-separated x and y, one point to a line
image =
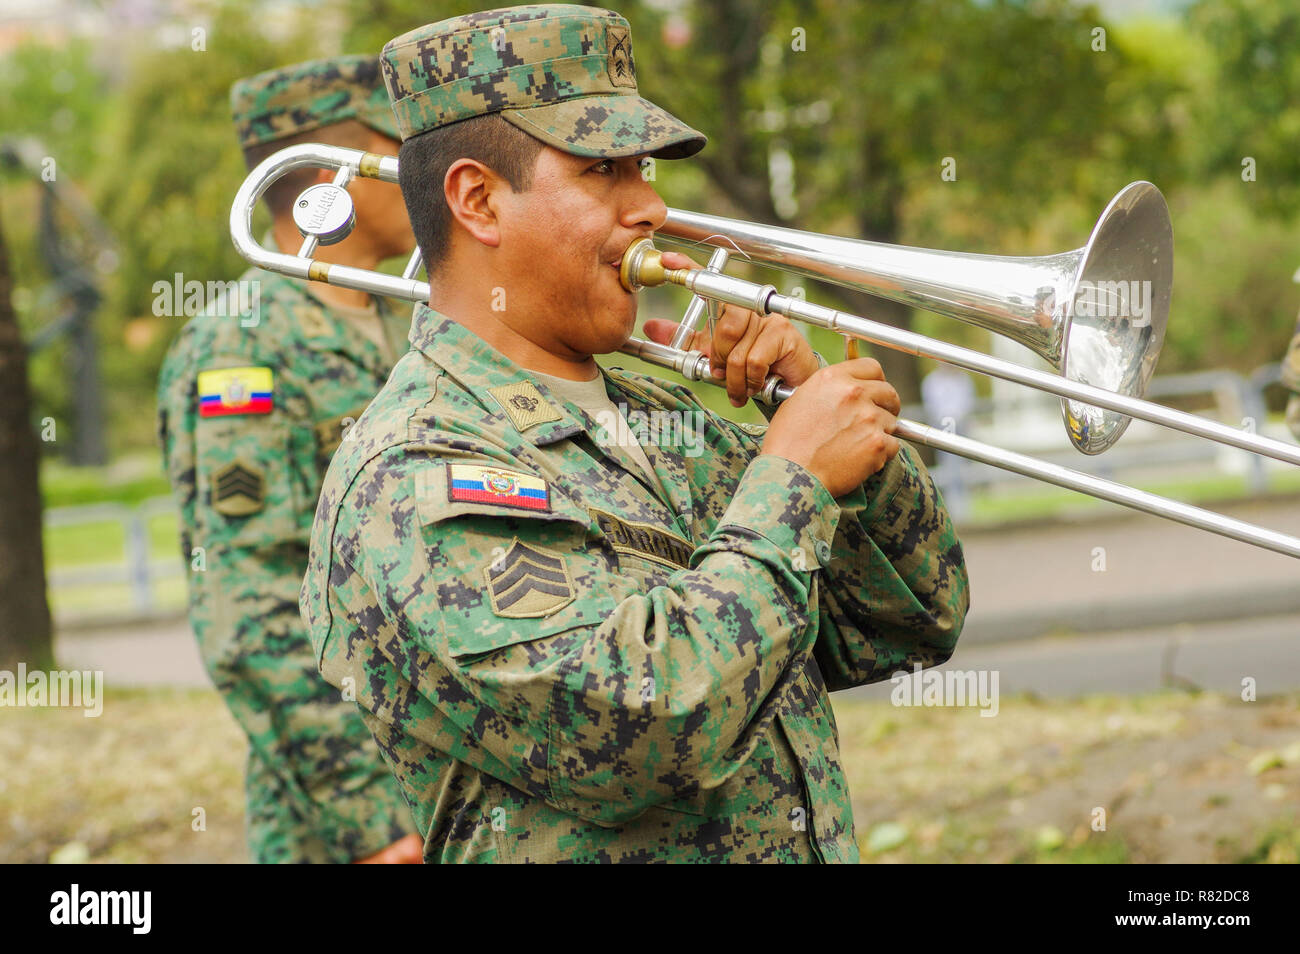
472	191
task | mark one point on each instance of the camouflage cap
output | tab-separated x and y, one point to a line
564	74
306	96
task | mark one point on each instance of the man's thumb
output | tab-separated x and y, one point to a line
660	330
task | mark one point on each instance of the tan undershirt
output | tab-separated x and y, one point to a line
367	321
592	398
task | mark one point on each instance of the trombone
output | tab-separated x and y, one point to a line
1097	314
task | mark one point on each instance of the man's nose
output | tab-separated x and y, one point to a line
642	208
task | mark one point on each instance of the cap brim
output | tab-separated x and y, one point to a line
608	127
382	121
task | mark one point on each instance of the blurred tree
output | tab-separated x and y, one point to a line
1248	107
169	168
52	106
24	612
369	24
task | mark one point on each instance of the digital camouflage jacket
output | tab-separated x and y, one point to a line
563	662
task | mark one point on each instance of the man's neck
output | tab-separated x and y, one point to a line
465	306
353	250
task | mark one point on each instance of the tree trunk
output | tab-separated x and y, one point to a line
25	631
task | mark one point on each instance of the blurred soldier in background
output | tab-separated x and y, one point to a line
1291	378
251	407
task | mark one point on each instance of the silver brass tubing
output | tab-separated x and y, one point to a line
1099	487
412	264
315	155
1045	471
746	294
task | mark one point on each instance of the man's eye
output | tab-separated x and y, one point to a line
604	167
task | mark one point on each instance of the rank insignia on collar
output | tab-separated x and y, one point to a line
528	581
238	490
475	483
524	405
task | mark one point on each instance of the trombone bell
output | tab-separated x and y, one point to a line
1096	314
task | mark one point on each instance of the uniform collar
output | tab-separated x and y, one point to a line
496	382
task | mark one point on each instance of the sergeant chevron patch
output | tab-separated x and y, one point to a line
528	581
238	490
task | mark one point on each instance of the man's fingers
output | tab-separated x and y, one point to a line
678	260
404	851
866	368
736	325
884	396
661	331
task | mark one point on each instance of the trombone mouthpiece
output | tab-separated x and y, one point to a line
642	266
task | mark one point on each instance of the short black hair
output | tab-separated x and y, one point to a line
424	160
350	134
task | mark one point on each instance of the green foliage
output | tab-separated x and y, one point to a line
54	100
1234	299
1249	102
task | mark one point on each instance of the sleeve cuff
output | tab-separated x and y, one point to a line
785	504
871	498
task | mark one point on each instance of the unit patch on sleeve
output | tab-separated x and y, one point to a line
234	391
528	581
475	483
238	489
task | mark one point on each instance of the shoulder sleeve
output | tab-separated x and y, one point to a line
533	658
895	590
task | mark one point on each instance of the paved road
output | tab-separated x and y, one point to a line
1130	572
1214	655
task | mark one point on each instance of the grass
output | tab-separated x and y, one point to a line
130	480
1160	777
1043	501
68	548
123	787
928	784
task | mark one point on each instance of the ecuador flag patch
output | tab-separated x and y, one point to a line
234	391
474	483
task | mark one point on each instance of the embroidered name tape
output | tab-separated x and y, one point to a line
235	391
476	483
644	540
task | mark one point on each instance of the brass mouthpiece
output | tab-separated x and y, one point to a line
642	266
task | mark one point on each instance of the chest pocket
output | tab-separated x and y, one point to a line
509	561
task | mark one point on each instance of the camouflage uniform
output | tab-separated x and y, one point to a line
564	658
1291	379
251	407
